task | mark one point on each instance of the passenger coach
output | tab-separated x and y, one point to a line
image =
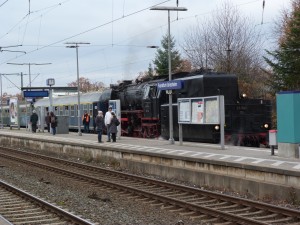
67	106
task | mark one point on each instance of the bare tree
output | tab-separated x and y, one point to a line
226	42
86	85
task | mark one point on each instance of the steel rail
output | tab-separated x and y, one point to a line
43	204
182	204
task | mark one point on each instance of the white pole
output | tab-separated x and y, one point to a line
171	140
78	92
51	100
222	120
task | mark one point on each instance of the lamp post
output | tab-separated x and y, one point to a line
50	82
76	45
166	8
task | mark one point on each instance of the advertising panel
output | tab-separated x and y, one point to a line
203	110
13	111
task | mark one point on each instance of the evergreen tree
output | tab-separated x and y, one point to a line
150	70
161	61
286	59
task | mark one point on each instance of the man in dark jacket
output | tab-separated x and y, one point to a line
33	120
113	126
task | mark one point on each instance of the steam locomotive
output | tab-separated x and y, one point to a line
145	109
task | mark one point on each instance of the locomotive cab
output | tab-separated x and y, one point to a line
150	102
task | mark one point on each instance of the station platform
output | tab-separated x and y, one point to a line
200	163
260	157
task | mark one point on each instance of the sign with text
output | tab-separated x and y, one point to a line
169	85
35	94
202	110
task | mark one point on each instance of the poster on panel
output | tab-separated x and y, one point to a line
211	106
13	111
184	111
197	111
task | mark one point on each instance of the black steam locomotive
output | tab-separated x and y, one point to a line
145	109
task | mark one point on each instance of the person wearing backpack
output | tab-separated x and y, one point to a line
53	122
113	126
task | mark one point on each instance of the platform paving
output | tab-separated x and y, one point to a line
258	157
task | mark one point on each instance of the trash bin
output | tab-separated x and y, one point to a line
62	125
272	140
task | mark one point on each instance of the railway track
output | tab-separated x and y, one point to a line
205	206
19	207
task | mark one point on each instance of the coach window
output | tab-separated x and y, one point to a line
85	108
72	111
61	110
76	110
66	110
91	109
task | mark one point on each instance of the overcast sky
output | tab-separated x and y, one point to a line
118	31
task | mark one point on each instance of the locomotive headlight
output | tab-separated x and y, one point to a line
244	95
266	125
217	127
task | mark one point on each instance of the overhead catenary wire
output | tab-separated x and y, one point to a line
159	26
3	3
91	29
117	19
48	9
115	44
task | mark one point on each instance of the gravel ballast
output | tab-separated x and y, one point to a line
94	203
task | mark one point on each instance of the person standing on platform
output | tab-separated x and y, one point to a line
47	120
33	120
53	122
113	126
99	121
86	122
107	120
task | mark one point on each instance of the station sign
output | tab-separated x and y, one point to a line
170	85
35	94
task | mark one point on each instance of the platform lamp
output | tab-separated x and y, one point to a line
76	45
50	82
166	8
